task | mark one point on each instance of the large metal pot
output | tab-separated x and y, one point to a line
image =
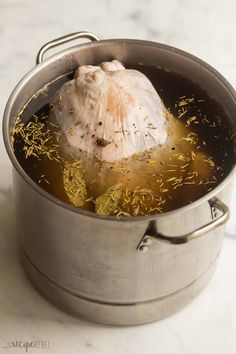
117	271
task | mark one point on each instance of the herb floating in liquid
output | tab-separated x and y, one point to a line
140	201
37	137
74	183
152	182
107	203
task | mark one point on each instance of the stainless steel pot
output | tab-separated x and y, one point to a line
117	271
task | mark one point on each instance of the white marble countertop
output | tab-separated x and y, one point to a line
204	28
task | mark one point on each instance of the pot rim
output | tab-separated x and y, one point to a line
71	50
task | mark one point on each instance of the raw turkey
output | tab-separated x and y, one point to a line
111	112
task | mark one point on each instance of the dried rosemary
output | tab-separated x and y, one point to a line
40	138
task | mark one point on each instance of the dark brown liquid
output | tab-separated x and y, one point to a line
208	158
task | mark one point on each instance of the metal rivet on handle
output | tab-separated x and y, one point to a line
147	241
143	248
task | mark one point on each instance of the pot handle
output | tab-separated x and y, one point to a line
62	40
216	206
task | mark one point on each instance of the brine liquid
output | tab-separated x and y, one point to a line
156	181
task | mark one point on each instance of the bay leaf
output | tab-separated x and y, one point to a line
74	183
107	202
